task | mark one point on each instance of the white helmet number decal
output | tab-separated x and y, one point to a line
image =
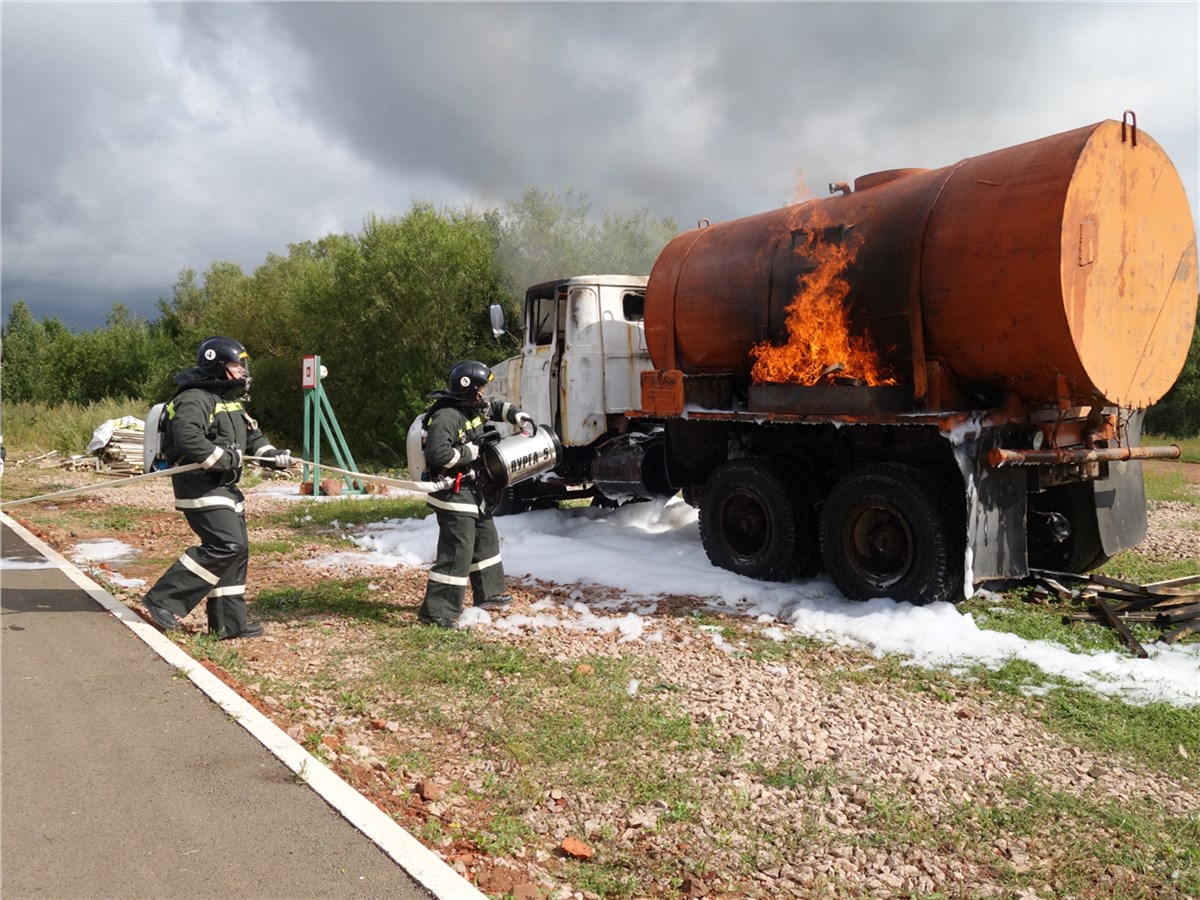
465	381
210	354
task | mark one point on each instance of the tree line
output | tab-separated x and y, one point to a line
388	310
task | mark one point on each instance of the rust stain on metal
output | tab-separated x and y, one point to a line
998	456
1062	269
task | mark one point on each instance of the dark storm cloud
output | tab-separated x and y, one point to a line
140	139
709	109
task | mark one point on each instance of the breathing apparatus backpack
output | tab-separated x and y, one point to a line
414	446
156	438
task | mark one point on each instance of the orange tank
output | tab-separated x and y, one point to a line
1062	270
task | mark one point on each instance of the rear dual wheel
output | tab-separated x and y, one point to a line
890	531
758	522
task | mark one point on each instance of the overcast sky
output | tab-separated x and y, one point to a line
142	139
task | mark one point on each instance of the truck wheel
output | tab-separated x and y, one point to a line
1082	550
887	531
749	522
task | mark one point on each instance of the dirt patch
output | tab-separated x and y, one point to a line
844	785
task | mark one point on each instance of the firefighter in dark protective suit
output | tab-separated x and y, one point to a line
208	424
468	550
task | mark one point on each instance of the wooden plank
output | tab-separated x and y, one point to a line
1062	592
1181	614
1143	603
1183	630
1172	582
1114	583
1060	576
1121	628
1149	617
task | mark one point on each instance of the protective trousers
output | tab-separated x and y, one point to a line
216	570
468	552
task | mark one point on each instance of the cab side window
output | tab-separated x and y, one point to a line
633	306
542	319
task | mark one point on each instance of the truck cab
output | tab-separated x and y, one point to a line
583	351
582	355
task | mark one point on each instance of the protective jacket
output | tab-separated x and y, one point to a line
453	435
207	423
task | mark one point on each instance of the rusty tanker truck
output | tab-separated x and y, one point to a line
929	379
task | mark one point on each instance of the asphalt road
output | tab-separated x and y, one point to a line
120	777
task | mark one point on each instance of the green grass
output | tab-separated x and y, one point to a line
549	726
793	773
274	548
1152	733
37	429
119	518
1146	570
1136	836
222	653
1166	486
67	515
324	513
1037	622
504	834
352	599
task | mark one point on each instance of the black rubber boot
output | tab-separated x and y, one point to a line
499	601
250	629
163	619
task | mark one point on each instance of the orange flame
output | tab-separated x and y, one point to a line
820	347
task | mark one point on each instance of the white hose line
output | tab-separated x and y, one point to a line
424	487
120	482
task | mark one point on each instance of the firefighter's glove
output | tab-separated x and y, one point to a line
282	459
526	424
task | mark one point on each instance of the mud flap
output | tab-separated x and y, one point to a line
995	498
1121	498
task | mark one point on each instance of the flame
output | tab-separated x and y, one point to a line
820	347
802	192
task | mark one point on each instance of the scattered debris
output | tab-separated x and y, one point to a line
117	447
76	463
44	460
1173	605
123	453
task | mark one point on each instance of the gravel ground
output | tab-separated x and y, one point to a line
870	748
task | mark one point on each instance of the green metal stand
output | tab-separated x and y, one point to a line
320	422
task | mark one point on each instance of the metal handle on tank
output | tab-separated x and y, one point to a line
1131	116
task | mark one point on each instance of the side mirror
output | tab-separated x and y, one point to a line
497	315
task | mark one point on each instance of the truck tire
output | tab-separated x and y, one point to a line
1082	551
888	531
750	524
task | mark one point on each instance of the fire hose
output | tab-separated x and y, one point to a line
426	487
120	482
509	461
